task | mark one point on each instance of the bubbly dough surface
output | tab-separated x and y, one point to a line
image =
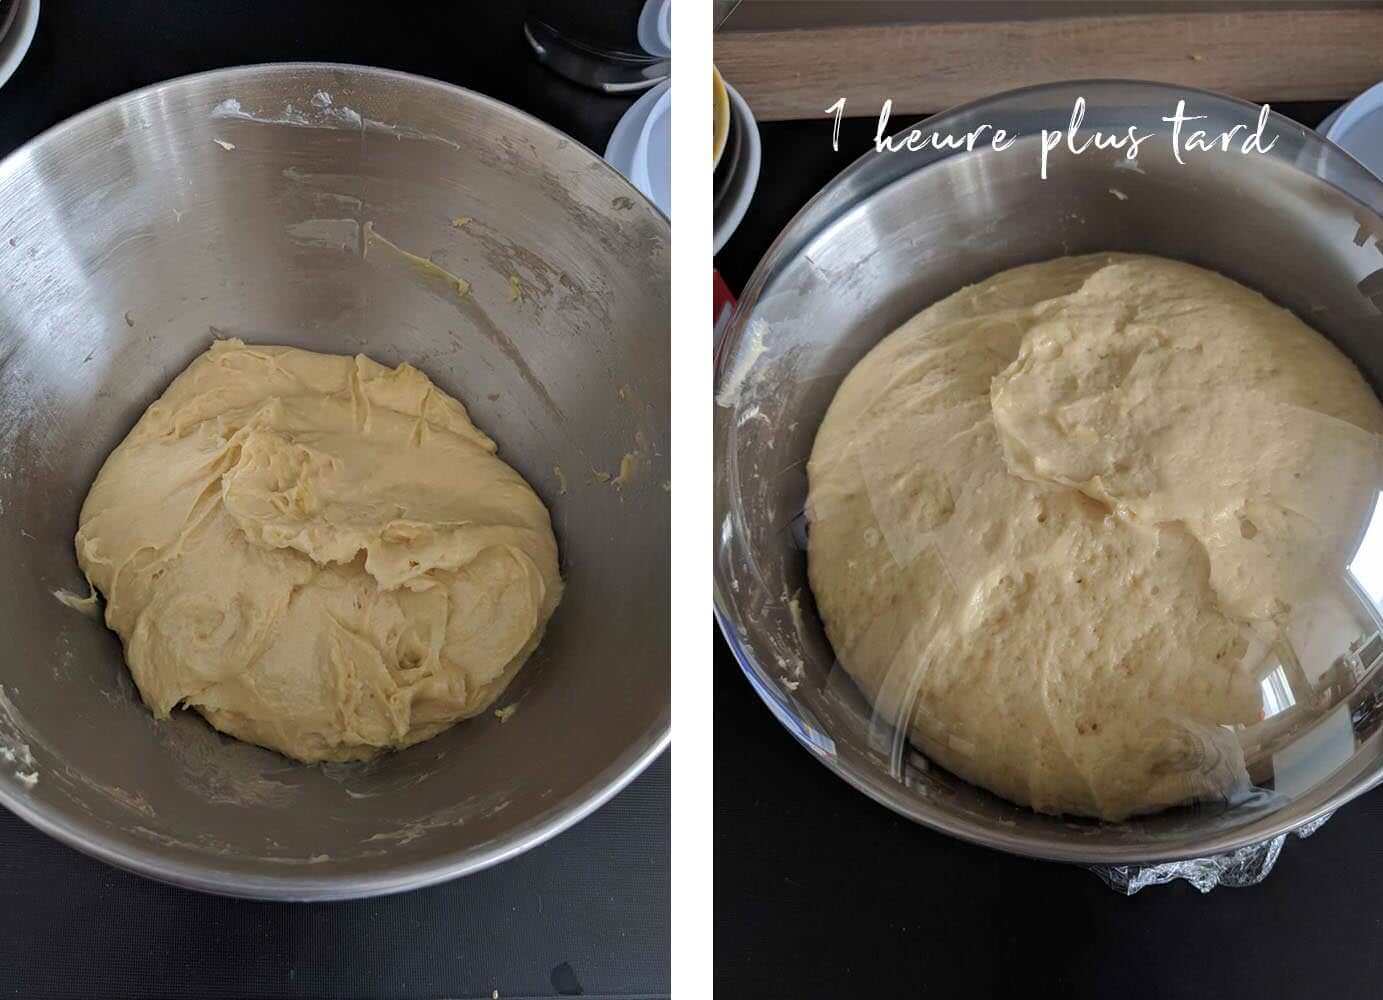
319	554
1059	518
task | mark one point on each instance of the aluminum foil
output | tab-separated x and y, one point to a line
1246	866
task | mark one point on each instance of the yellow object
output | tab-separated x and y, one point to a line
720	116
320	554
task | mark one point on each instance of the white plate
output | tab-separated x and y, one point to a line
632	148
655	28
17	40
740	192
653	163
1357	128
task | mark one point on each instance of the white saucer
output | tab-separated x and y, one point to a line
729	211
17	40
655	28
1357	128
641	146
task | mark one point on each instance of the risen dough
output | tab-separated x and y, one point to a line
1059	519
320	554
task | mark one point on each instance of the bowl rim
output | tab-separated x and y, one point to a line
207	876
789	241
289	66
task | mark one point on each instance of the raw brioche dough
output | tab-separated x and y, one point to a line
1059	519
319	554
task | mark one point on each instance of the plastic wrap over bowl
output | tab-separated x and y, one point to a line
899	231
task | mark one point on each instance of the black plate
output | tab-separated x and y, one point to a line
8	10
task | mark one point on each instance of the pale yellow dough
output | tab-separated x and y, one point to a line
319	554
1059	518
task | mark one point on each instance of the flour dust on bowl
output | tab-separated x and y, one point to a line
346	211
899	232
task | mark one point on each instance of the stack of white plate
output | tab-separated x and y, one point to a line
18	20
1357	128
641	146
737	174
655	28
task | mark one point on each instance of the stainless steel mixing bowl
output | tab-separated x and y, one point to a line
236	203
898	231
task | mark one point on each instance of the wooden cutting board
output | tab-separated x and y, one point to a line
792	59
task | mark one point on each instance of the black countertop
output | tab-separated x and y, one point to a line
822	893
585	914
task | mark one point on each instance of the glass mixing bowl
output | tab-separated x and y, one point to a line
898	231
